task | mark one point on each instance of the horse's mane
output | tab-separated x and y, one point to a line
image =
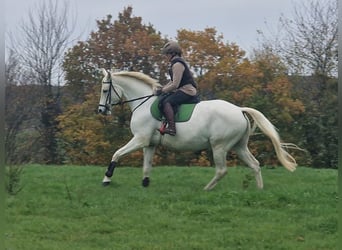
140	76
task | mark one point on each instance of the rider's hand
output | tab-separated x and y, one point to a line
157	91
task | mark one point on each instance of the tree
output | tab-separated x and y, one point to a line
307	44
15	115
317	128
21	138
308	40
40	49
83	133
261	83
202	49
224	72
124	44
209	58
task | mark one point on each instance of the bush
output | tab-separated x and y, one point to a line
12	181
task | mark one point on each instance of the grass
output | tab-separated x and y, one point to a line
67	208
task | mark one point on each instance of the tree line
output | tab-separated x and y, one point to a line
291	79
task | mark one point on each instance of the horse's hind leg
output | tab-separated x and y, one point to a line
246	156
219	155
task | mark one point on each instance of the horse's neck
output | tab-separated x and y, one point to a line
132	89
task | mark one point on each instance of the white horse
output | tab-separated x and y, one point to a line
214	124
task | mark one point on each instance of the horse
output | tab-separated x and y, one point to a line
215	124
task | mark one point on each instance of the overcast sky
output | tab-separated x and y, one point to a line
237	20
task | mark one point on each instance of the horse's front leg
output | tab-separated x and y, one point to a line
148	158
134	144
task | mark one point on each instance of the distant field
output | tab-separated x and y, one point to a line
67	208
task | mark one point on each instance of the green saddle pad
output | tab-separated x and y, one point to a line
184	111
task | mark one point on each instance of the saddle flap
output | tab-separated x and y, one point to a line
183	114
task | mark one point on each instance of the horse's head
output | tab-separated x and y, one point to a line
110	95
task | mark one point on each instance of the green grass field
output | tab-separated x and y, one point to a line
67	208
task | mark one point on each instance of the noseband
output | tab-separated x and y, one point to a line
120	102
109	96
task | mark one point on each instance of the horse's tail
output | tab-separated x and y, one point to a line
268	129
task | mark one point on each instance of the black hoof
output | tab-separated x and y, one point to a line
106	183
146	182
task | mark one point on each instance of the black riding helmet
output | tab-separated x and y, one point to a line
172	48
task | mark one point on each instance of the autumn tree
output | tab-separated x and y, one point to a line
224	72
209	57
228	74
202	49
122	44
260	83
85	134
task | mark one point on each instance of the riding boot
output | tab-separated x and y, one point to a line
169	114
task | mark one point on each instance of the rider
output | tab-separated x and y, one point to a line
182	87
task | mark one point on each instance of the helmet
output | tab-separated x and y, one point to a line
172	48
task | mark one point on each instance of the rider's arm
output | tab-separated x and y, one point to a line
177	70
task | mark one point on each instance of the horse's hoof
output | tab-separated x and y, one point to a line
105	183
146	182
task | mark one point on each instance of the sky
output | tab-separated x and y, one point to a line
237	20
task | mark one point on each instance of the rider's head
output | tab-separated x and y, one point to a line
172	48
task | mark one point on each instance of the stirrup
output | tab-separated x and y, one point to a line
170	132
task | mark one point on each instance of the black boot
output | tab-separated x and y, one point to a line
168	112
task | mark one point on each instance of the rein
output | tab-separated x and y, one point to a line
121	102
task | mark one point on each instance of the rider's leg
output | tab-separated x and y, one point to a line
169	114
173	100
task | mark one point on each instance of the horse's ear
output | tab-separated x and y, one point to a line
104	72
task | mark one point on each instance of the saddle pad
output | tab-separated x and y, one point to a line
184	111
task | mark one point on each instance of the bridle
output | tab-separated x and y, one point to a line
109	103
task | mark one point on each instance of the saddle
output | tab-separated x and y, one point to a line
182	113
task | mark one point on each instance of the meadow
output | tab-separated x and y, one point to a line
66	207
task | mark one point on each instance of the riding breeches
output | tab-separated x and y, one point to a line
178	98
